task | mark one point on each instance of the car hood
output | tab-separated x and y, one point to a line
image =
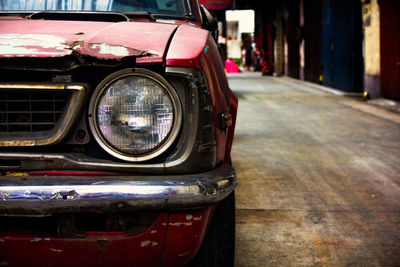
102	40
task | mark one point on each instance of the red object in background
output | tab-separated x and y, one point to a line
231	67
216	4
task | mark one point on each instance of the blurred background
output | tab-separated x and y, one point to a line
349	45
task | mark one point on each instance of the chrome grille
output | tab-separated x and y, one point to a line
38	114
30	111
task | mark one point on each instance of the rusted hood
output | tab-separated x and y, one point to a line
103	40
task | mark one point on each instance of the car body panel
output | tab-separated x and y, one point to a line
192	47
102	40
176	235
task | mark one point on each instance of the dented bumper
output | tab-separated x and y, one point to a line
54	194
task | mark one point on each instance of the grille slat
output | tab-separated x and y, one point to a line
31	110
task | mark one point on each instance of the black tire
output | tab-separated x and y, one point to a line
218	248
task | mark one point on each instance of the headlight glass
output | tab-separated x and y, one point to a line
135	116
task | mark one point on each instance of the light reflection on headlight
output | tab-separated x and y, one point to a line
136	115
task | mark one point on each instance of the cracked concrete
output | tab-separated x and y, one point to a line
318	177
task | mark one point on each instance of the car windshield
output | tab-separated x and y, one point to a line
166	7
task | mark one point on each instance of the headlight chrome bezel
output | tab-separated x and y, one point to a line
177	114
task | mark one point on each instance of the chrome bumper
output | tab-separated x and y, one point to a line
43	195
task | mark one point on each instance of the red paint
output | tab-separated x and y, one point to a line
190	46
186	46
195	48
144	249
216	4
185	234
390	48
186	231
233	108
196	10
25	33
213	67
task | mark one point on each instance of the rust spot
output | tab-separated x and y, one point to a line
17	143
17	174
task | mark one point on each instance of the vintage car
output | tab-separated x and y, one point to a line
116	125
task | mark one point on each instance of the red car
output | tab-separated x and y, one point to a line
116	125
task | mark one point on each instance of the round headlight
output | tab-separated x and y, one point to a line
135	115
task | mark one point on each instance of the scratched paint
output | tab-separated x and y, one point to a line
56	250
183	254
45	45
32	45
145	243
181	223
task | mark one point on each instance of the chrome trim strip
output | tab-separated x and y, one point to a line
72	110
34	195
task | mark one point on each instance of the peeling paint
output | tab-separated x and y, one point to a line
106	49
145	243
154	244
198	218
32	44
153	232
36	239
189	217
153	53
46	45
56	250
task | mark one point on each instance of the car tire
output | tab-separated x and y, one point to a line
218	248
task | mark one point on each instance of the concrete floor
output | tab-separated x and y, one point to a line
318	177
